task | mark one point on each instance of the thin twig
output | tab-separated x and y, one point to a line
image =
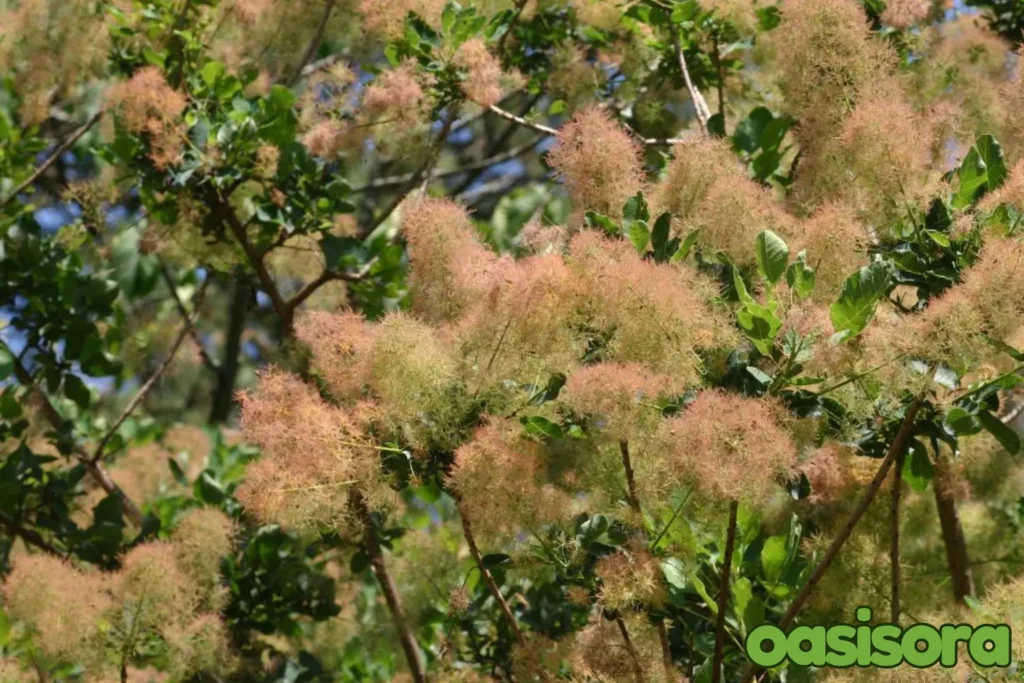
396	180
29	536
723	595
700	105
637	667
192	332
52	159
520	6
314	44
371	543
898	444
492	586
894	536
509	116
148	385
226	213
627	464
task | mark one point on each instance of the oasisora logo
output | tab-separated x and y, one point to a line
884	645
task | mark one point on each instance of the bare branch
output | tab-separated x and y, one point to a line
29	536
509	116
314	44
492	586
172	286
700	105
148	385
50	160
371	543
723	595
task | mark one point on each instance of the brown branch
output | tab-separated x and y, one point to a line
314	44
224	211
75	136
425	171
894	537
520	6
394	181
148	385
962	579
492	586
94	469
700	105
627	464
29	536
371	543
897	446
192	332
721	81
666	650
723	595
637	667
509	116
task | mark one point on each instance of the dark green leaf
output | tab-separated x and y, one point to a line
772	256
1008	438
859	298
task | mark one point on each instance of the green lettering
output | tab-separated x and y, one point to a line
885	639
766	633
842	647
951	637
999	652
922	633
812	656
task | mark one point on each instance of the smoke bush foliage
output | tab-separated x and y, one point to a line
520	340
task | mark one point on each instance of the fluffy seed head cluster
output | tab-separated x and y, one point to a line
387	19
498	475
903	14
603	14
146	103
598	160
203	537
989	299
618	394
449	267
327	138
695	165
833	472
828	57
157	594
598	652
62	604
731	447
733	212
1011	192
414	374
1012	97
483	72
313	453
340	344
499	343
657	311
887	146
396	94
630	578
836	244
250	12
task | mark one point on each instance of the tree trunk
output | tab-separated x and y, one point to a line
223	396
956	545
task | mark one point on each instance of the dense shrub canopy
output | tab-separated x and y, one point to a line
519	340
